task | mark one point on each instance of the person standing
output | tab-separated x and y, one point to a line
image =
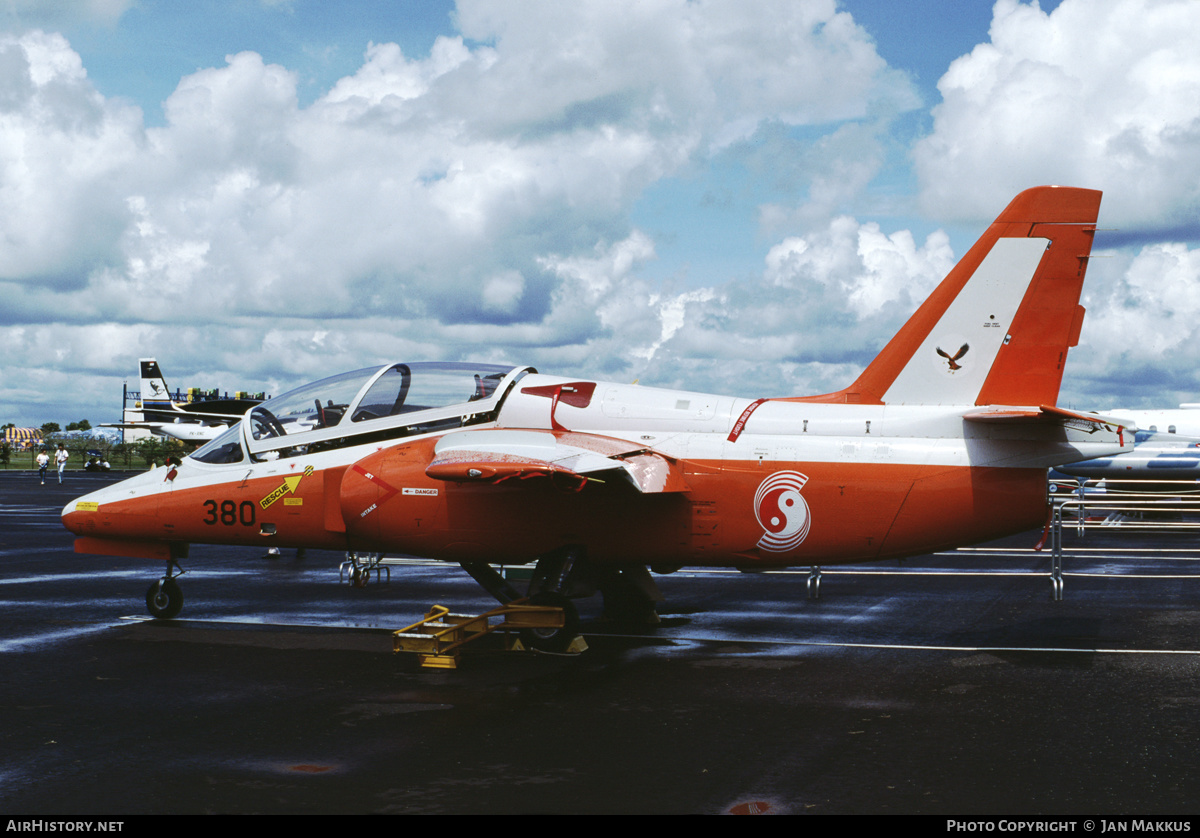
43	460
60	458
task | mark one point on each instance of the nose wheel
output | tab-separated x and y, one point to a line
164	598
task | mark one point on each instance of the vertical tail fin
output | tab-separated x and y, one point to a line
153	387
998	327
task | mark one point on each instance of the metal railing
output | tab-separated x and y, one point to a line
1162	507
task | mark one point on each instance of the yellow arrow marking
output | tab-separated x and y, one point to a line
288	487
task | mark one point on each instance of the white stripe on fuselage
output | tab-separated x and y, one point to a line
893	435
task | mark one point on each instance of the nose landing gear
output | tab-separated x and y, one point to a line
164	598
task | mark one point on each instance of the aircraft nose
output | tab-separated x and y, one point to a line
83	516
78	513
72	520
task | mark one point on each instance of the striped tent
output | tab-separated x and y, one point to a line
22	438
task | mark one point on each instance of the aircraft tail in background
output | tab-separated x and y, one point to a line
153	387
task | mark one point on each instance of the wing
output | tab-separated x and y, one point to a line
572	459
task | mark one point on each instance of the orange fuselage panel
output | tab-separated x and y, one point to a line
844	512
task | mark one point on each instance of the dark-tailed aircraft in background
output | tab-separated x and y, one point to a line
943	440
188	421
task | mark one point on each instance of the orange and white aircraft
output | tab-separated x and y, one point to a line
943	440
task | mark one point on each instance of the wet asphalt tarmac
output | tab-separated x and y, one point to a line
913	689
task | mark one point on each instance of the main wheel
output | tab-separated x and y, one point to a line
553	639
164	599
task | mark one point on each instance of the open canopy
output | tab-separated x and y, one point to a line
392	401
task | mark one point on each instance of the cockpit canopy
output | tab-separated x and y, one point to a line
366	405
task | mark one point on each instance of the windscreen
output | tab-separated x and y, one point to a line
226	448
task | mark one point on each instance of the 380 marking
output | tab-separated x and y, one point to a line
229	513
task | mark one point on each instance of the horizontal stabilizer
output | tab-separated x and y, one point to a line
1048	415
150	426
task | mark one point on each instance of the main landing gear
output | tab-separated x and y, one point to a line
164	598
629	593
557	639
547	639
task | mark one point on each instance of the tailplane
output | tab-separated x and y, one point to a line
998	327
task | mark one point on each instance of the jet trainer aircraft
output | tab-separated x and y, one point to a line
943	440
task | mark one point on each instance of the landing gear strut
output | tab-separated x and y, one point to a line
164	599
629	592
547	587
630	595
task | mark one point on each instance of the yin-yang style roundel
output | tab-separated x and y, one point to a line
782	511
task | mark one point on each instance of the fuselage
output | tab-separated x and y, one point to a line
751	483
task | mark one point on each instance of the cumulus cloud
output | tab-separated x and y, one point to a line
1103	94
473	200
1138	343
823	305
476	202
59	12
63	152
864	266
1098	93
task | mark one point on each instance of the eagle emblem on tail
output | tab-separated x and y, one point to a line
952	360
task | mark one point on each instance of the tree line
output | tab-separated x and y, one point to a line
124	455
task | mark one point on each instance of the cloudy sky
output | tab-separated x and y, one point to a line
735	196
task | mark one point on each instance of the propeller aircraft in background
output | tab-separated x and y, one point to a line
187	421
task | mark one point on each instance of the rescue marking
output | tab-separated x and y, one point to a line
432	492
288	486
87	506
782	511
